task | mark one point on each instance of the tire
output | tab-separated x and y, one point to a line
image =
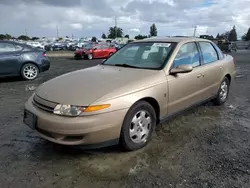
29	71
134	133
90	56
222	94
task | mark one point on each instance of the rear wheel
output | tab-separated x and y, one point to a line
29	71
222	93
90	56
138	126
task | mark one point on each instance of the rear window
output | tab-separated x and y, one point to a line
208	52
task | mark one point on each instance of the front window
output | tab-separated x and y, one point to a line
188	54
148	55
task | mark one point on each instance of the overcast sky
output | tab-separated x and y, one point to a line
92	17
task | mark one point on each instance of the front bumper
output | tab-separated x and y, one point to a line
84	130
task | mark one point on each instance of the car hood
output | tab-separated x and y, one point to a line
83	87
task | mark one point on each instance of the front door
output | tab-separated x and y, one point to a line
98	52
184	89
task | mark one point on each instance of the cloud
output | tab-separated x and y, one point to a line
88	18
136	30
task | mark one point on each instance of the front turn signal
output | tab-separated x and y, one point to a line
96	107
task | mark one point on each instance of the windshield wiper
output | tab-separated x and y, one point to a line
125	65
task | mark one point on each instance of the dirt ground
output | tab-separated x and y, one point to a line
208	146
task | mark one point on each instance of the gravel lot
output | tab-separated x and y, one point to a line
208	146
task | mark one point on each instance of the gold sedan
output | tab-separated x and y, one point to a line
122	99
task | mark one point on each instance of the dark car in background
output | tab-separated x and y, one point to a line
56	46
18	59
227	46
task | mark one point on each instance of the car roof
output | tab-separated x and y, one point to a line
171	39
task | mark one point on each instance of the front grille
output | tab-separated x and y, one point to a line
43	104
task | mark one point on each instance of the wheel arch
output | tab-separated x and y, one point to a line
228	76
154	103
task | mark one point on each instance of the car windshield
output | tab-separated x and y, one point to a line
147	55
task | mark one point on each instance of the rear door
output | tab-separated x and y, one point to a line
10	55
212	69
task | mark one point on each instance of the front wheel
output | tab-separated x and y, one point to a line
222	93
138	126
90	56
29	71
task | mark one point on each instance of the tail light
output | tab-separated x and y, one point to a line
44	54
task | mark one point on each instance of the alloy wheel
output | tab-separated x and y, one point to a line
30	72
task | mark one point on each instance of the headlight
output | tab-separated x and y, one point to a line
73	110
68	110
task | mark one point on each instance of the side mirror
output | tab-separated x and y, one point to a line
181	69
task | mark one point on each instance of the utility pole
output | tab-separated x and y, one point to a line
57	34
195	28
115	27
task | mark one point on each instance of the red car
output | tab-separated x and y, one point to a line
92	51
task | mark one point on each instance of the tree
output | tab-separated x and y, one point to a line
23	37
218	36
139	37
225	35
60	38
94	39
8	36
248	35
153	30
115	32
4	37
232	34
126	36
104	36
244	37
34	38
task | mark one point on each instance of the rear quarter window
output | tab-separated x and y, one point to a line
220	54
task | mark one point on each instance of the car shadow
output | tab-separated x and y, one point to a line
45	150
11	79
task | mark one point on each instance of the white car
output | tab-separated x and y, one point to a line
36	44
